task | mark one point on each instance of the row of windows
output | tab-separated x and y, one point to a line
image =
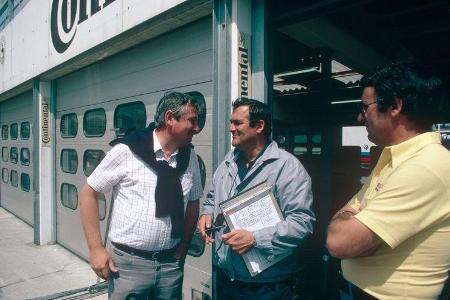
13	178
69	199
302	144
91	158
12	131
69	193
14	155
126	116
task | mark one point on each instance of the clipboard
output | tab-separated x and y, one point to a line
253	209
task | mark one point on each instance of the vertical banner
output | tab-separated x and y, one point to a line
44	164
244	67
241	52
45	123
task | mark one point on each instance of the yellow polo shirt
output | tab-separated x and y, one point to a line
406	202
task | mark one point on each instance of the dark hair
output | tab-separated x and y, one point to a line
175	102
422	96
257	111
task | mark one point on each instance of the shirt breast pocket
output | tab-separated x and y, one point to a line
186	183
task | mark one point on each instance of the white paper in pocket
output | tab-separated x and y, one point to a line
186	183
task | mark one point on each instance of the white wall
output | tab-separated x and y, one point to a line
29	47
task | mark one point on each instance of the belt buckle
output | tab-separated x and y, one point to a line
155	255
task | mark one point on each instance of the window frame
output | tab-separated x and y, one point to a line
11	177
11	153
21	182
21	156
16	135
85	160
84	122
5	132
199	99
21	131
115	117
61	160
7	174
61	195
7	154
60	126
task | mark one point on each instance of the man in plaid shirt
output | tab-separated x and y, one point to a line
155	181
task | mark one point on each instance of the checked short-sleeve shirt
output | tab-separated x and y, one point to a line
133	185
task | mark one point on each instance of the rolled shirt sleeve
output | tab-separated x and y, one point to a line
110	170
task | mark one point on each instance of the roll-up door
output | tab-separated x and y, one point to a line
99	102
16	162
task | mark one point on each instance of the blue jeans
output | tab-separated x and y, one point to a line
142	278
238	290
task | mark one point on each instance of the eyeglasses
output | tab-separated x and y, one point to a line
364	106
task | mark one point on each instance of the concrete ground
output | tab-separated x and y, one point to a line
28	271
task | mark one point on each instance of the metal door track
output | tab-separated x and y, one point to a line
78	294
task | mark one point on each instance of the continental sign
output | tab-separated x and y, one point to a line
66	15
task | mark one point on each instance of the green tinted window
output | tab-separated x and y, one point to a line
14	131
199	100
69	196
25	182
91	159
5	132
13	155
300	150
69	125
5	175
316	138
69	161
316	150
25	156
129	116
94	122
25	130
300	139
5	153
14	178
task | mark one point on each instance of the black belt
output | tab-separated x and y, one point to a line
154	255
359	294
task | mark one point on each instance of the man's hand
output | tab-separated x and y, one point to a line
181	251
347	237
101	262
204	222
240	240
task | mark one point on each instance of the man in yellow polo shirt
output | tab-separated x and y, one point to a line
394	235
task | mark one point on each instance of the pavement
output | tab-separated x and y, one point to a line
28	271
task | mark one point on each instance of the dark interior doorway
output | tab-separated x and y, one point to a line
319	52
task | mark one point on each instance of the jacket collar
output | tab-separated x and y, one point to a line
270	153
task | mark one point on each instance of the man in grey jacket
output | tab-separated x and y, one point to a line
256	159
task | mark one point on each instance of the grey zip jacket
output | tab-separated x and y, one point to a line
291	186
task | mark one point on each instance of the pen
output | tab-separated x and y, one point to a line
214	228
